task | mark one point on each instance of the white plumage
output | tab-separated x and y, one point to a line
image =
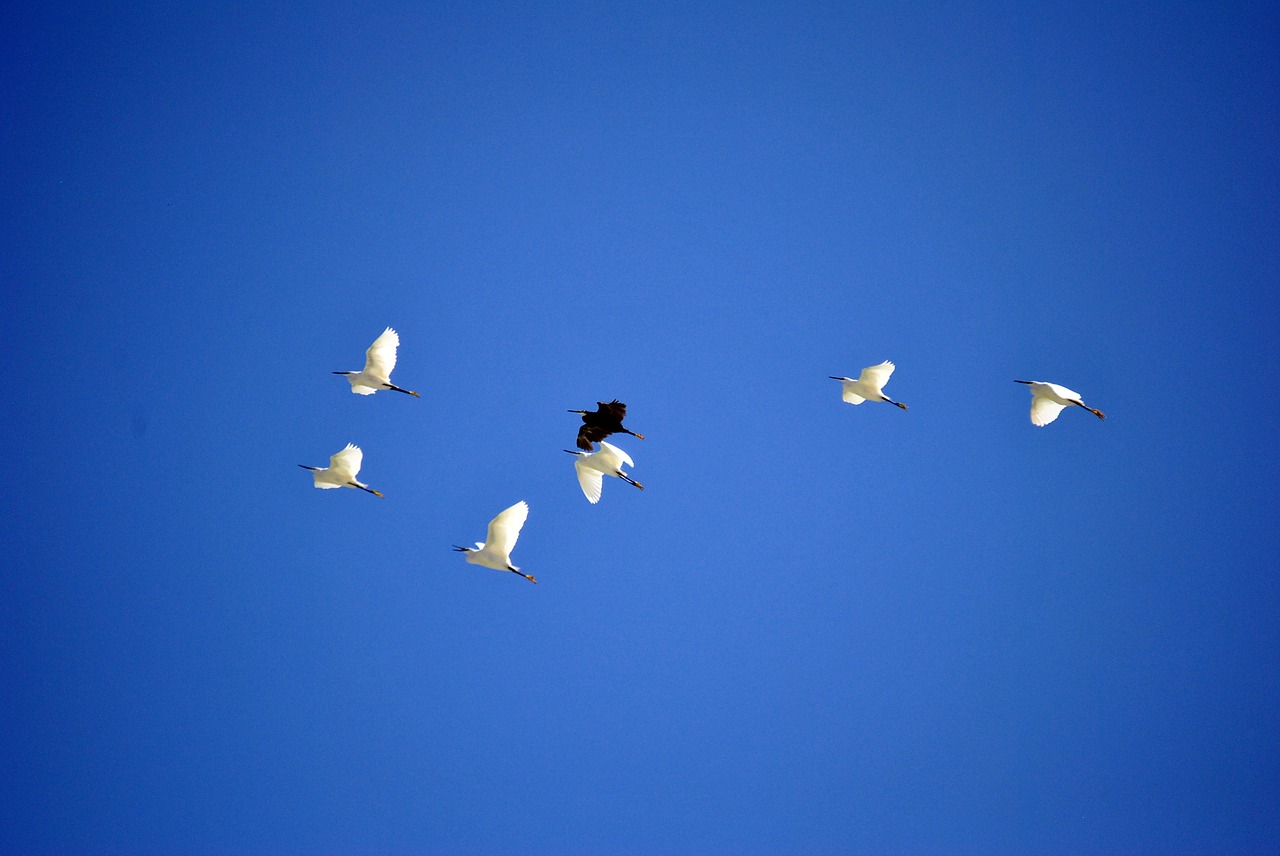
342	470
606	461
1049	399
495	551
379	361
870	385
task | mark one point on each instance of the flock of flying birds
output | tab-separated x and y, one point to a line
1048	400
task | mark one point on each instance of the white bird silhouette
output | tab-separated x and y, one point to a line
869	385
593	467
495	551
1049	399
341	471
379	361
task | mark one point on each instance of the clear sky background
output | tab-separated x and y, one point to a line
820	628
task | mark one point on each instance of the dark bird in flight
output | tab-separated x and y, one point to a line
606	419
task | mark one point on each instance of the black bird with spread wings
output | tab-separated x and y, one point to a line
606	419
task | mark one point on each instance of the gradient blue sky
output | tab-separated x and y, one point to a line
820	629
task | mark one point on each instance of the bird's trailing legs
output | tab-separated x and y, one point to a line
894	403
528	577
394	388
1097	413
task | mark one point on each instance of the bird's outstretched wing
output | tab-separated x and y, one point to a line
614	410
622	456
505	528
591	481
1062	392
380	359
346	464
1044	410
849	395
589	434
877	376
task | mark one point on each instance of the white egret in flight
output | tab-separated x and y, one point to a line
1049	399
495	552
869	385
379	361
341	471
593	467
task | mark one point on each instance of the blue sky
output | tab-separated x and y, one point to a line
820	628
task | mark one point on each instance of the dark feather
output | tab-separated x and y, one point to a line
589	434
597	424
